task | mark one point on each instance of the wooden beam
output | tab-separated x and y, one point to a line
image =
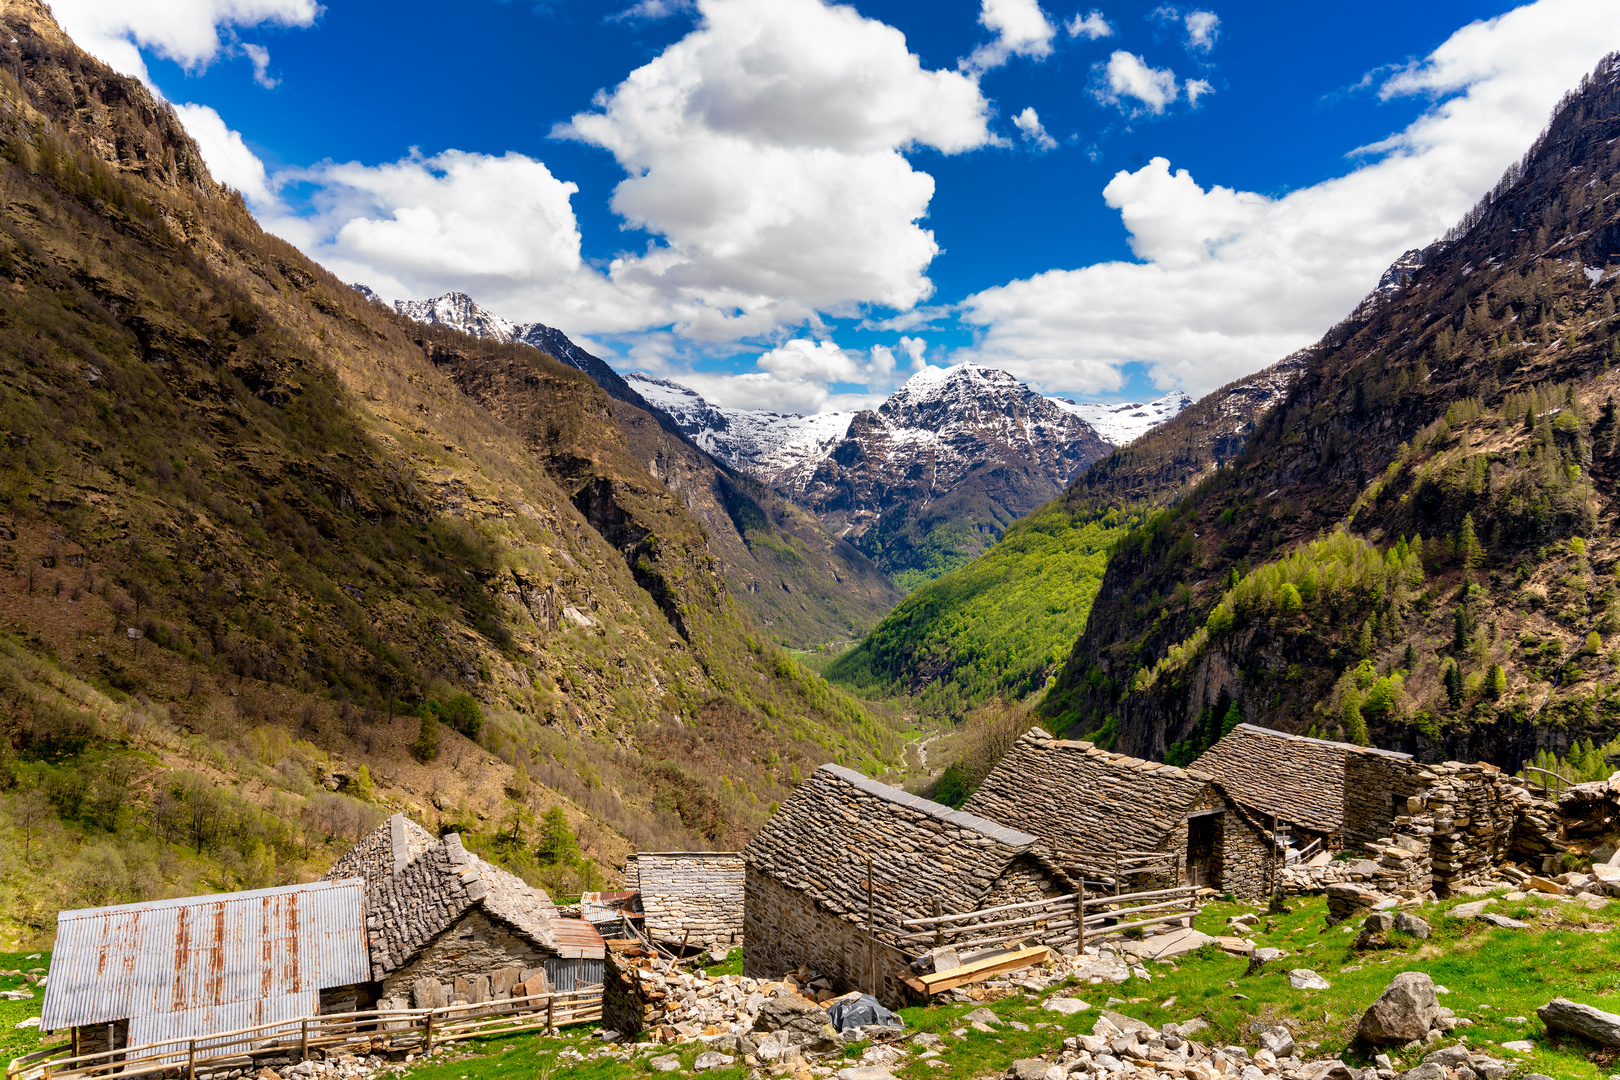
984	969
988	911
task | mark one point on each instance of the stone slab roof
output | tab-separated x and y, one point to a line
1076	796
1289	777
383	852
408	909
820	839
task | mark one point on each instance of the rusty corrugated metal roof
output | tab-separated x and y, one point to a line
177	956
577	939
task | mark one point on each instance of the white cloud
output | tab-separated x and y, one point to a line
185	31
1231	281
227	156
1197	88
794	377
1091	25
652	10
1203	27
1129	76
1029	122
500	228
1021	29
765	149
261	66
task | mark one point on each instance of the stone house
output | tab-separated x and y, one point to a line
830	877
1291	782
173	970
692	898
1088	804
447	926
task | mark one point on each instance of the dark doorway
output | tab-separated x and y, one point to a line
1203	848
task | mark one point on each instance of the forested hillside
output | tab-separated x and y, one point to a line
999	626
1414	548
270	571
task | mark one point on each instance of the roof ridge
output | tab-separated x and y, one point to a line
1273	733
960	818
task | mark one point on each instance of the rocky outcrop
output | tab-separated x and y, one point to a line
1562	1014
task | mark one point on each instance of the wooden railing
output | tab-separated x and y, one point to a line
1058	919
393	1030
1554	785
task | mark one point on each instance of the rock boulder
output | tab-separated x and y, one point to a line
1404	1011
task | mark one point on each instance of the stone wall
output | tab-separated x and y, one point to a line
784	928
1245	857
1474	811
625	1007
693	897
1377	785
475	959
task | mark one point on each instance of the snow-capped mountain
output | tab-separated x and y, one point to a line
1119	424
763	444
458	311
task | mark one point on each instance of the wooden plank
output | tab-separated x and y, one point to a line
1092	919
986	911
984	969
1131	898
1174	917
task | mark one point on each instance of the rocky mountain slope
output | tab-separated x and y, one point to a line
258	540
1118	425
1414	546
934	475
795	579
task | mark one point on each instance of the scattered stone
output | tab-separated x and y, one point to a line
1503	921
665	1063
713	1059
1379	922
865	1072
1169	946
1028	1069
31	1022
1584	1020
1306	979
1403	1012
982	1016
1546	885
1261	957
1065	1006
1519	1046
1127	1024
1408	923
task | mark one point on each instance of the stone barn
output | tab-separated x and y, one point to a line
173	970
692	898
448	926
1291	781
809	895
1087	804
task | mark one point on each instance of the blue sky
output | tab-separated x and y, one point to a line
774	235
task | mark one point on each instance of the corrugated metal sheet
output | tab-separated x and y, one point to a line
566	976
231	1016
577	939
201	952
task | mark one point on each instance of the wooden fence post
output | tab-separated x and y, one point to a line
871	932
939	928
303	1039
551	1012
1080	919
191	1060
427	1042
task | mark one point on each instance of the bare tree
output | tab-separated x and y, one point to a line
30	811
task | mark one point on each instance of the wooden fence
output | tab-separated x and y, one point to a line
391	1030
1056	920
1121	872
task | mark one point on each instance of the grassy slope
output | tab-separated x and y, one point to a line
210	440
1492	975
994	628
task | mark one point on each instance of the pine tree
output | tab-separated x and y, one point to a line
1469	553
1364	640
1233	719
1453	679
1355	724
1496	683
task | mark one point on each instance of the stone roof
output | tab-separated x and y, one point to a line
408	909
383	852
820	839
1076	796
1289	777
